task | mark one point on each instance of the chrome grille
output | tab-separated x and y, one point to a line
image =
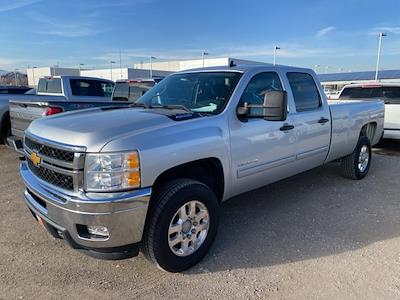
57	164
63	155
61	180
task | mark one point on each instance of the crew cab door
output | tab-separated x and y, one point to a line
312	121
261	151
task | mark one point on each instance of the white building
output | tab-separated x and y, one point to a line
159	69
123	73
34	74
181	65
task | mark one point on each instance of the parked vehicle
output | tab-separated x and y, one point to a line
11	89
5	93
153	175
54	95
389	92
133	89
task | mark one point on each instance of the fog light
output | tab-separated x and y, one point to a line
98	230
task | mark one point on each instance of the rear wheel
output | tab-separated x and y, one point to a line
356	165
181	225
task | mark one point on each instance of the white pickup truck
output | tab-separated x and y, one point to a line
388	92
153	175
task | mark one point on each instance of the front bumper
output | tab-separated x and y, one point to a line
66	214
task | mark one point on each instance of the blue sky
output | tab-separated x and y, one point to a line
333	34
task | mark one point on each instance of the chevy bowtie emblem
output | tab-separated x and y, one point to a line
36	160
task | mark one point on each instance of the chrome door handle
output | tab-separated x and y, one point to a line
286	127
323	120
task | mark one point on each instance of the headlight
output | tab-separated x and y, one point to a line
112	171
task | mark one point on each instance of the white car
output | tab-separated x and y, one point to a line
389	92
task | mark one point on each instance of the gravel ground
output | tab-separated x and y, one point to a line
315	235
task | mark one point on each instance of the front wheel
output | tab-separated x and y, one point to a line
7	134
181	225
356	165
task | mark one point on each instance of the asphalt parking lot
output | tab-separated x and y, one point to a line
315	235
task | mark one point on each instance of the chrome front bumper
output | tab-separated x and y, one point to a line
123	214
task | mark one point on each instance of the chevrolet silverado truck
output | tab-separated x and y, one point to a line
55	94
388	92
152	176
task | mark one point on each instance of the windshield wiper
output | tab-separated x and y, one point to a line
172	106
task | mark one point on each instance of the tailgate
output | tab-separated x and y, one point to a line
23	113
392	116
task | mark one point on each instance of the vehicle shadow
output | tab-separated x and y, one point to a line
388	147
311	215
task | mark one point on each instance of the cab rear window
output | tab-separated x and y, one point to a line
50	85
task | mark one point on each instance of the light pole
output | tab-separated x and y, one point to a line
33	75
276	48
111	63
80	68
15	75
381	35
151	65
202	56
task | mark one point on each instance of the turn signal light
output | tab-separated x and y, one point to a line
133	179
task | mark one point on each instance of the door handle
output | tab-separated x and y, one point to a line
286	127
323	120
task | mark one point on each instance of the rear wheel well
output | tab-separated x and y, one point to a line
369	130
208	171
5	126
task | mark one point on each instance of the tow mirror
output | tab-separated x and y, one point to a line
273	109
275	106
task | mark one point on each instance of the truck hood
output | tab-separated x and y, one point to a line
94	128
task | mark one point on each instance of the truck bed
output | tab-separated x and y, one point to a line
348	118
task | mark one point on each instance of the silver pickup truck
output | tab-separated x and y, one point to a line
152	176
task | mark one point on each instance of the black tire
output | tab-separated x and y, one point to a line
350	163
6	129
167	202
7	135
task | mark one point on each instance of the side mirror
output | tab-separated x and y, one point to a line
243	111
275	106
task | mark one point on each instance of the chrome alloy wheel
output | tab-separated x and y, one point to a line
363	158
188	228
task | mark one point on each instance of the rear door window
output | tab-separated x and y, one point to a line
305	92
92	88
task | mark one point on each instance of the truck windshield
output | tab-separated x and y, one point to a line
204	92
390	94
